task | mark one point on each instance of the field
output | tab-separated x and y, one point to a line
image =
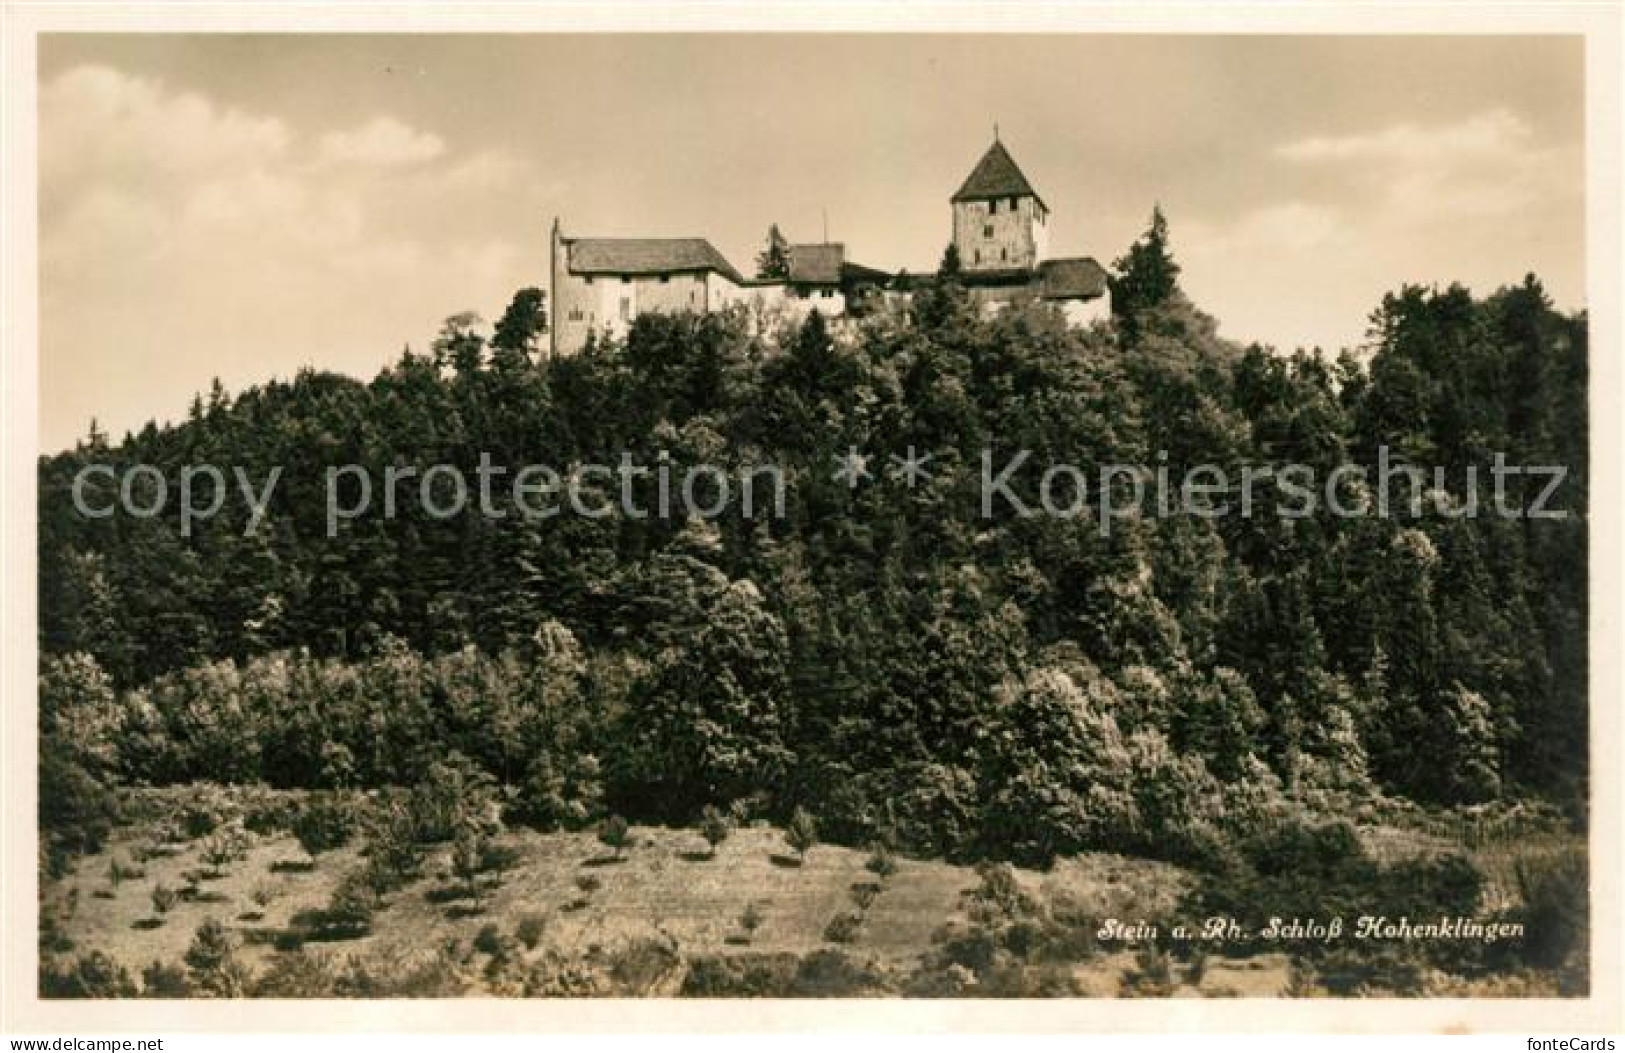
545	902
664	886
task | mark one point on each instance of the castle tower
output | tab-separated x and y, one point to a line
1000	222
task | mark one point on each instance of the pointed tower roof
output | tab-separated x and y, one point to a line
996	175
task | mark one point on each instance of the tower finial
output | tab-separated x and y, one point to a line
995	131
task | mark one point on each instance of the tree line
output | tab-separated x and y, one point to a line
884	656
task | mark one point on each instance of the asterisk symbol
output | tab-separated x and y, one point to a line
911	469
853	468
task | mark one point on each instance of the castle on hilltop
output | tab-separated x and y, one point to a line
1000	232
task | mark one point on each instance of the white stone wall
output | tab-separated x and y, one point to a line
1001	234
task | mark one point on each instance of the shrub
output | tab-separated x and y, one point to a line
118	871
560	793
1152	975
212	962
589	883
323	824
300	974
802	833
224	847
489	939
76	811
454	795
740	976
751	920
844	927
1555	896
199	819
530	930
882	863
468	860
350	909
159	980
163	898
92	975
615	834
392	852
863	895
638	967
714	827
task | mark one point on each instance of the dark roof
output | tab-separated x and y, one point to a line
816	264
647	256
996	175
998	276
1080	278
857	272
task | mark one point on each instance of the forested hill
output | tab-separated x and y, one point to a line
881	653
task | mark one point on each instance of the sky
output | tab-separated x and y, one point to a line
241	206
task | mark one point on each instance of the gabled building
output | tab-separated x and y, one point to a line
1001	233
601	284
1000	229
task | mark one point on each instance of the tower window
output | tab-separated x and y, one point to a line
626	308
1012	204
978	256
993	206
987	231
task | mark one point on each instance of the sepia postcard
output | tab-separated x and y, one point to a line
651	518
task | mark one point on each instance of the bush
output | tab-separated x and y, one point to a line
119	871
1555	909
163	898
560	793
199	819
224	847
714	827
530	930
213	965
615	834
881	862
92	975
489	939
323	824
751	920
844	927
164	981
350	909
802	833
76	812
454	795
824	973
300	974
393	855
641	965
1152	975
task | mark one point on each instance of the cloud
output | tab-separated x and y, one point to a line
1486	164
181	239
383	142
1480	200
1493	135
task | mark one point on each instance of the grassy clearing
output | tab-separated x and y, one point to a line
666	885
